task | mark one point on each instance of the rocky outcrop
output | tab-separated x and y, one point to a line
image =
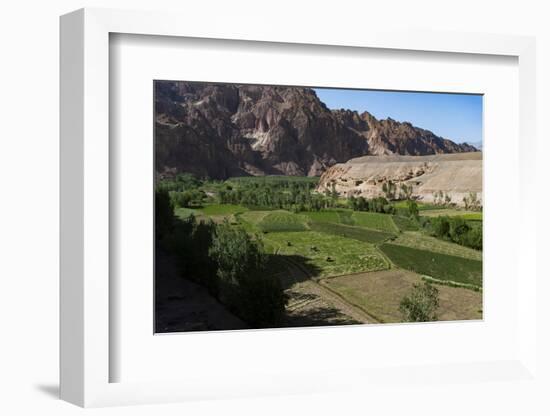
387	137
223	130
455	175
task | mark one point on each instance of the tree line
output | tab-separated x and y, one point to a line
457	230
226	260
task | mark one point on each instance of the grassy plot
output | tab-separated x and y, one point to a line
340	216
422	206
278	221
326	255
405	223
425	242
379	294
450	212
323	216
357	233
382	222
249	220
437	265
183	213
216	212
222	209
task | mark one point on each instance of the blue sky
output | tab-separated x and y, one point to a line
454	116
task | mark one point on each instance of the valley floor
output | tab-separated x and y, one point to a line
338	267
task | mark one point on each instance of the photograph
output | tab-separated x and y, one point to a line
301	206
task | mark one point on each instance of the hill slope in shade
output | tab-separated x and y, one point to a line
223	130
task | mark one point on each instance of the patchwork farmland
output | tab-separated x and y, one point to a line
339	266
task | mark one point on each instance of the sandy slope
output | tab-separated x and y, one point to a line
455	174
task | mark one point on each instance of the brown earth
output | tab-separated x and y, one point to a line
380	293
456	175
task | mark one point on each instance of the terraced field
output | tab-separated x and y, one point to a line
405	223
326	255
379	294
467	215
215	212
436	265
375	221
339	266
347	231
282	221
422	241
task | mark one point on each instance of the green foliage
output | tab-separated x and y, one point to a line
405	191
389	188
235	253
245	286
189	242
380	205
186	199
164	214
406	223
458	230
412	208
437	265
421	304
472	201
180	183
275	192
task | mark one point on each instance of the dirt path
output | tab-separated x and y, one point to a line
181	305
311	302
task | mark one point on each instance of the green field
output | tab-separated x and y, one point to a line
425	242
450	212
278	221
382	222
325	216
183	213
422	206
437	265
356	233
324	254
339	266
221	209
405	223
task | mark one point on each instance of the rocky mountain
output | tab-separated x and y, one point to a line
388	137
222	130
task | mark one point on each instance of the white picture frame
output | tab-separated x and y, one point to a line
86	356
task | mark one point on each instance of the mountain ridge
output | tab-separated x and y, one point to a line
223	130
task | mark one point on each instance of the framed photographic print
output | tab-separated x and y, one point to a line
281	206
274	213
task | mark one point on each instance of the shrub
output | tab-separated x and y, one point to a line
421	304
245	286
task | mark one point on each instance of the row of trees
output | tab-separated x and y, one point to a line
231	264
380	204
458	230
293	196
392	191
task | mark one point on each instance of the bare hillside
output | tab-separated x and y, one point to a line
455	174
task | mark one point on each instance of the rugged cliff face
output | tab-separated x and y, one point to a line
387	137
222	130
